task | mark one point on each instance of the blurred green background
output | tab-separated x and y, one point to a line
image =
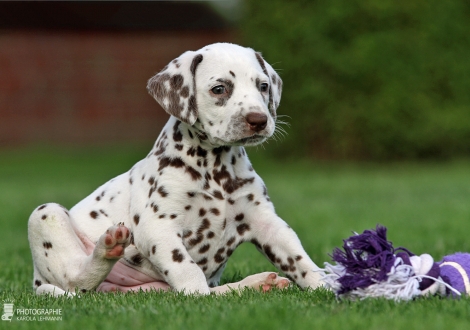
369	79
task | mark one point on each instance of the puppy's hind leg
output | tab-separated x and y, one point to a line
60	258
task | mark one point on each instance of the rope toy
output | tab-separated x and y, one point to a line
369	266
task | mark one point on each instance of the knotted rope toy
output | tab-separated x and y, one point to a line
369	266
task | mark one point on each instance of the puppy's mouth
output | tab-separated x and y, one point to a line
251	140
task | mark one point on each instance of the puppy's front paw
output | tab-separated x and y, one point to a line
265	281
114	241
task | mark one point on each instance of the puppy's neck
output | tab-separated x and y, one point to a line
179	140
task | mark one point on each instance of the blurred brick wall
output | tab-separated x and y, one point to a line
86	87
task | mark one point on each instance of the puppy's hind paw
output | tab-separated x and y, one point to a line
114	241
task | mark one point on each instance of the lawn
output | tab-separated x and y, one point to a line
426	207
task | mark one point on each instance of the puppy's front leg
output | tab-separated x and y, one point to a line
262	281
165	250
280	244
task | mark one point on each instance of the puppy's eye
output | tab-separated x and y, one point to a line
263	87
219	89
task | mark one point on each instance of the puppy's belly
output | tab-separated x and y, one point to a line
126	279
124	275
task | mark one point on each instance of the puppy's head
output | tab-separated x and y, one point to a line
227	91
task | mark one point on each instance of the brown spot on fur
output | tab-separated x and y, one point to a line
191	152
161	190
177	136
198	239
256	243
269	252
218	257
47	245
218	194
239	217
201	152
204	248
177	256
94	214
195	175
154	249
196	60
230	185
136	219
231	241
176	81
184	92
199	236
44	217
203	261
261	63
42	207
155	208
205	225
192	105
174	162
178	163
242	228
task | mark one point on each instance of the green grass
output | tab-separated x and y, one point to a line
425	206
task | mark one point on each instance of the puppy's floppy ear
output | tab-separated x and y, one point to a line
174	87
275	86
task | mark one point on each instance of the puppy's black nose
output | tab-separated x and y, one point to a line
257	121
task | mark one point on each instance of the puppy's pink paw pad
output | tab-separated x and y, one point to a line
115	240
266	281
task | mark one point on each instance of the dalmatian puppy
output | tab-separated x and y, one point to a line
173	220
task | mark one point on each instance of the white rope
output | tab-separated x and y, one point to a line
401	284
